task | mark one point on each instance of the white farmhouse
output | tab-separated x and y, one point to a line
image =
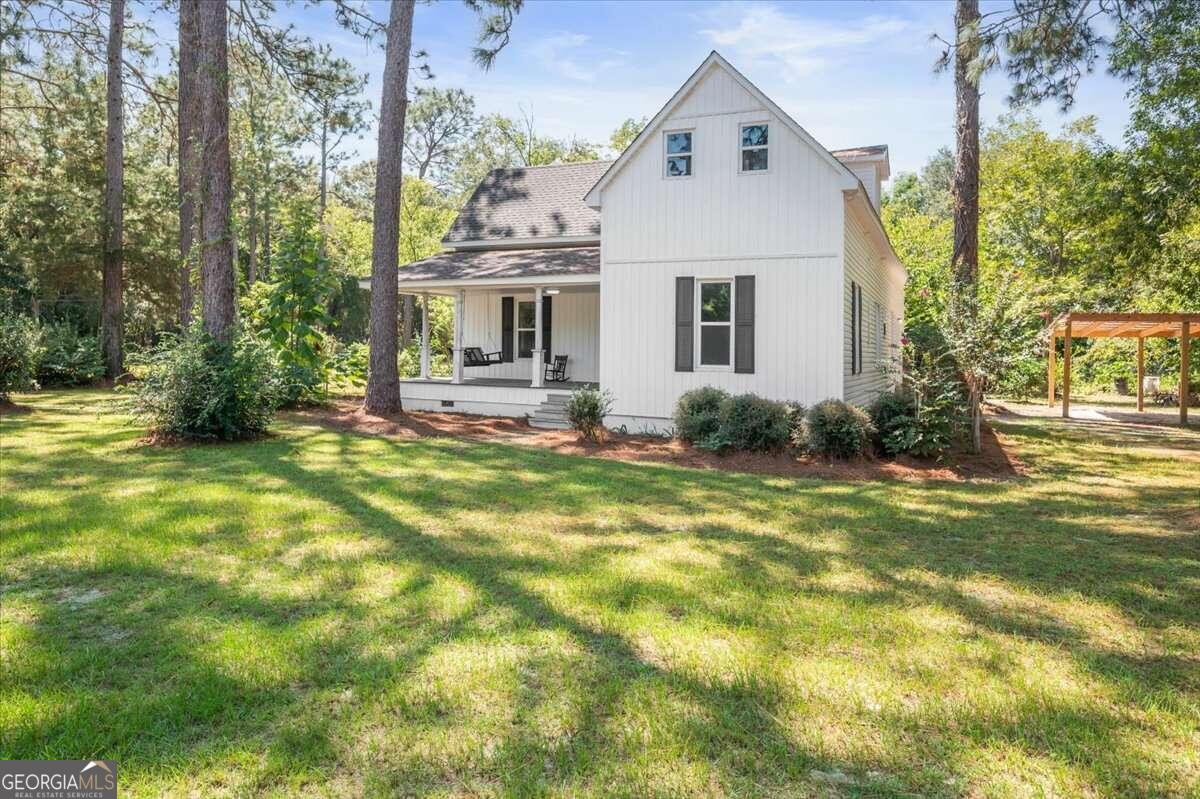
725	247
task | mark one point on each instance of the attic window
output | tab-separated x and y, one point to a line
754	147
679	154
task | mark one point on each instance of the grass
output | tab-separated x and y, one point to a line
326	614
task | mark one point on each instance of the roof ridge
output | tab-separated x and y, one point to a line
545	166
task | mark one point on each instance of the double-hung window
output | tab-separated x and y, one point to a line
526	319
715	314
754	147
679	153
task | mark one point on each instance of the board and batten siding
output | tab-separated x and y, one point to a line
574	325
783	226
867	268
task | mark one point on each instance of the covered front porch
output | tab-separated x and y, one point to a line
526	326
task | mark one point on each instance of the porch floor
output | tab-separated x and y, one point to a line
506	382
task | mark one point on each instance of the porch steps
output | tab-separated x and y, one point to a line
552	414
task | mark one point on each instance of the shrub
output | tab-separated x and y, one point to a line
894	416
697	413
838	429
69	359
197	388
20	346
586	410
749	422
349	366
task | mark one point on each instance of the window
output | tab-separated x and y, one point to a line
526	320
679	154
715	299
754	148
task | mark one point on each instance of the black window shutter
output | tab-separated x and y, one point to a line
858	332
546	326
853	328
685	295
743	339
506	329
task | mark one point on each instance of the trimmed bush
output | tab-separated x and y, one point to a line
751	423
69	359
20	346
698	412
586	410
200	389
837	429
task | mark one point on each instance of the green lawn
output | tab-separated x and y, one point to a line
327	614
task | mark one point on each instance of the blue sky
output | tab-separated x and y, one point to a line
851	73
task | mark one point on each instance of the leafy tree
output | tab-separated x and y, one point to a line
111	322
293	312
439	122
625	133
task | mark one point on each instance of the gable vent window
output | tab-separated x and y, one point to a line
754	148
679	154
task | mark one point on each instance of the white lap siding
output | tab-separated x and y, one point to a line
796	327
574	326
864	267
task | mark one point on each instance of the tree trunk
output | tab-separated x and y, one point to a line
114	183
965	188
216	256
268	202
189	136
252	236
409	317
323	201
383	379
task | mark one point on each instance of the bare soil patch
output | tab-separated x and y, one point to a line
996	462
8	408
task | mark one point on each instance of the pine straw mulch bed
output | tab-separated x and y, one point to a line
998	461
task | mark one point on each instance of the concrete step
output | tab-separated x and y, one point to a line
548	424
557	399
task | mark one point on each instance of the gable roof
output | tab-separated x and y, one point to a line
849	181
529	205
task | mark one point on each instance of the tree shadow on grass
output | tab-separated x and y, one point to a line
447	511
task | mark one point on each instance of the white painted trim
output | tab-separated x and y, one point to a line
690	154
592	199
697	283
420	286
740	149
525	243
701	258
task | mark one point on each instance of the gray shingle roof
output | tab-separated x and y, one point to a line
530	203
480	264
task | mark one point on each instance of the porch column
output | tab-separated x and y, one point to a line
1185	349
1050	376
1141	374
425	336
538	371
460	308
1066	409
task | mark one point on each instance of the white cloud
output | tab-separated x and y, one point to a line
761	33
568	55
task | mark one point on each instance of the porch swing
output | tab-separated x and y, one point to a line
475	356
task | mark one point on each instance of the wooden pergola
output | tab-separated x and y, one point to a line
1073	324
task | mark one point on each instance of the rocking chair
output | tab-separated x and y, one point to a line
475	356
556	372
